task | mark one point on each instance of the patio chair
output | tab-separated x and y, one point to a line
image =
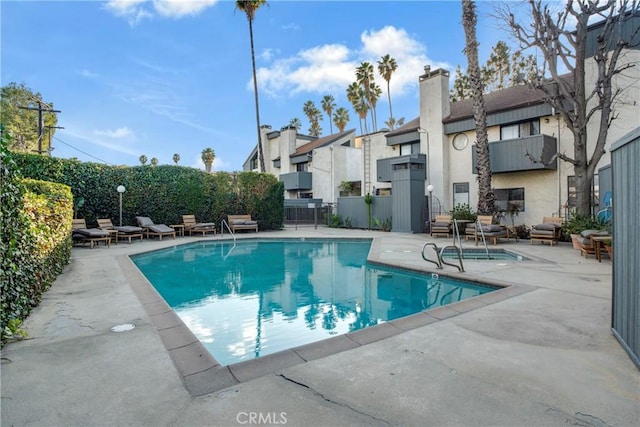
470	231
120	232
549	230
491	232
441	226
152	229
192	226
81	234
586	243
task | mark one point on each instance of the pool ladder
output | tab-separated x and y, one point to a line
440	262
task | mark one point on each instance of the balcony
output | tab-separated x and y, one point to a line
520	154
385	167
296	180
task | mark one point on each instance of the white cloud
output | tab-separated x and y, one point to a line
331	67
119	133
88	74
93	137
137	10
180	8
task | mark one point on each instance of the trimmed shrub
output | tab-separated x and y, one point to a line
35	244
163	193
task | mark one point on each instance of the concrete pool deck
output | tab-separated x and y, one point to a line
537	353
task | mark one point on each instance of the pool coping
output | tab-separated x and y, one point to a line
202	374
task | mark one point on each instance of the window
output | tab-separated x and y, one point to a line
509	198
572	192
406	149
253	163
302	167
460	193
520	130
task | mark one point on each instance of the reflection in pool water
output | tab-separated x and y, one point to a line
258	297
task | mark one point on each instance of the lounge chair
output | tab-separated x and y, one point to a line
152	229
242	222
123	232
470	231
547	231
491	232
192	226
441	226
586	243
81	234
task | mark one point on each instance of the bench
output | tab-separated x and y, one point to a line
241	222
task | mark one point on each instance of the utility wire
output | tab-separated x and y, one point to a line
83	152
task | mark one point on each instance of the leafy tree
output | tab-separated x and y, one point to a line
154	161
485	194
249	7
502	69
341	118
561	38
23	125
208	156
296	123
143	160
328	104
176	158
386	67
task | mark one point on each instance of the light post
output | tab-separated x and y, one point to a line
121	190
430	210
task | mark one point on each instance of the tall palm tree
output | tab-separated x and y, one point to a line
341	118
176	158
296	123
354	96
208	156
364	77
374	94
249	7
486	197
143	160
308	110
328	104
154	161
386	67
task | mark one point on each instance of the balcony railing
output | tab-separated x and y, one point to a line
296	181
520	154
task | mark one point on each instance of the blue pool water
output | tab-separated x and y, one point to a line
258	297
481	254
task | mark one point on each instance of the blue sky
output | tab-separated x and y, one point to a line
174	76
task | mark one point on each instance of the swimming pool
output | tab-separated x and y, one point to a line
258	297
481	254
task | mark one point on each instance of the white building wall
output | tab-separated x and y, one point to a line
330	166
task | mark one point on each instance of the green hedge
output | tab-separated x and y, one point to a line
163	193
35	245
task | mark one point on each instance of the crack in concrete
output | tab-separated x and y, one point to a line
580	419
326	399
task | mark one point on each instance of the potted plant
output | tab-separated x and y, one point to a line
463	212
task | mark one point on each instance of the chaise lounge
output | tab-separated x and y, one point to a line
123	232
81	234
152	229
192	226
441	226
242	222
547	231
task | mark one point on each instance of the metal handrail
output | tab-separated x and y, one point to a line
484	240
224	224
438	262
458	252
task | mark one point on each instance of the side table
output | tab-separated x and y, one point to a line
179	229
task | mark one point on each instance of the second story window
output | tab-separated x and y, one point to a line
520	130
302	167
413	148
